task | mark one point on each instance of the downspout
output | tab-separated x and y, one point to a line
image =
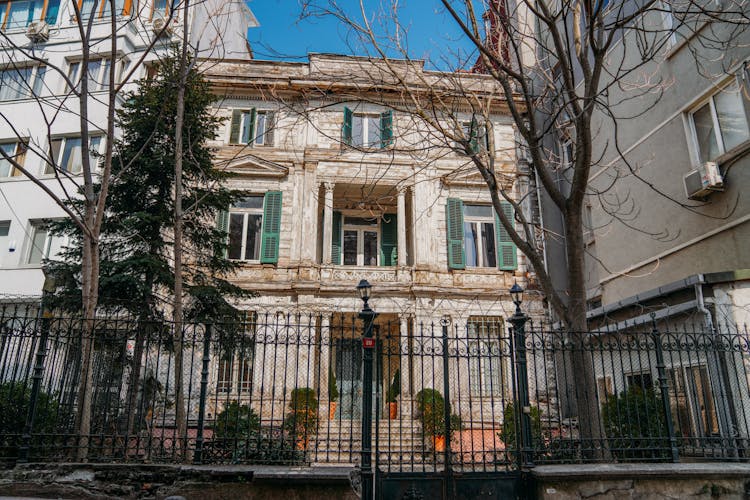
718	374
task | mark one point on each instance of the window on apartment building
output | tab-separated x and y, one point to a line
21	82
692	401
251	126
15	150
17	14
98	74
4	231
476	238
367	130
101	8
67	154
643	380
253	225
477	135
669	23
364	240
235	370
720	124
487	364
42	245
162	8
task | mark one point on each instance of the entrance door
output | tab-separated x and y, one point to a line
349	373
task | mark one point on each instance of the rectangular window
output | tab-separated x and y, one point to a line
15	150
692	402
4	231
365	130
643	380
67	154
21	82
720	124
98	74
252	127
360	241
476	134
42	245
17	14
488	355
245	229
236	365
479	236
161	8
100	9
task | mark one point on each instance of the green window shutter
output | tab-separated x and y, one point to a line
454	219
222	224
248	131
234	129
269	246
386	129
473	135
346	128
336	239
389	240
507	259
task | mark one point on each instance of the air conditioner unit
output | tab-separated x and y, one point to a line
160	26
38	31
703	181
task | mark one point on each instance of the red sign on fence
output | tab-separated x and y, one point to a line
368	342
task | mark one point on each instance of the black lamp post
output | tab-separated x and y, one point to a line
367	315
518	321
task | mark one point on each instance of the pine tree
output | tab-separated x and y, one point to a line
136	274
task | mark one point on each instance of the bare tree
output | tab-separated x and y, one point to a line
564	70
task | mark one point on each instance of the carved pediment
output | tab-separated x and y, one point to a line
254	166
469	176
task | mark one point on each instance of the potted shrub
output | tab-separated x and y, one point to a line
393	392
333	393
508	434
237	430
302	420
431	413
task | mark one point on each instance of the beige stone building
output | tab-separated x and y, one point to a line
345	183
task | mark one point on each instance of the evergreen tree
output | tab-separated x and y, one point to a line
136	273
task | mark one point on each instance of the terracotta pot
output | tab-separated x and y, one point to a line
439	443
393	410
302	443
331	410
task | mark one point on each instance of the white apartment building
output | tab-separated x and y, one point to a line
39	43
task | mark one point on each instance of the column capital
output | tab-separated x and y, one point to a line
328	185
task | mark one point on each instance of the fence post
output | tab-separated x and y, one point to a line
204	388
41	353
518	321
444	322
664	389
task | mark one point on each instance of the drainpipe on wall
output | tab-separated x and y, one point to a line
718	374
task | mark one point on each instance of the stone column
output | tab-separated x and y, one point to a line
401	225
327	221
405	352
325	360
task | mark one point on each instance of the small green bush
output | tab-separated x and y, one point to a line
237	422
634	423
50	419
302	419
431	413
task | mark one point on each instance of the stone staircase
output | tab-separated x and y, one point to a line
340	441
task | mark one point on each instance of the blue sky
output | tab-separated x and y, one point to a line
283	35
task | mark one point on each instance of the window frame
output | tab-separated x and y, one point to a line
34	84
243	242
479	220
482	138
4	238
36	225
100	9
487	380
57	167
237	366
98	79
4	12
20	157
361	229
267	137
718	135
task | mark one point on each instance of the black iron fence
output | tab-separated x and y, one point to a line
287	389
